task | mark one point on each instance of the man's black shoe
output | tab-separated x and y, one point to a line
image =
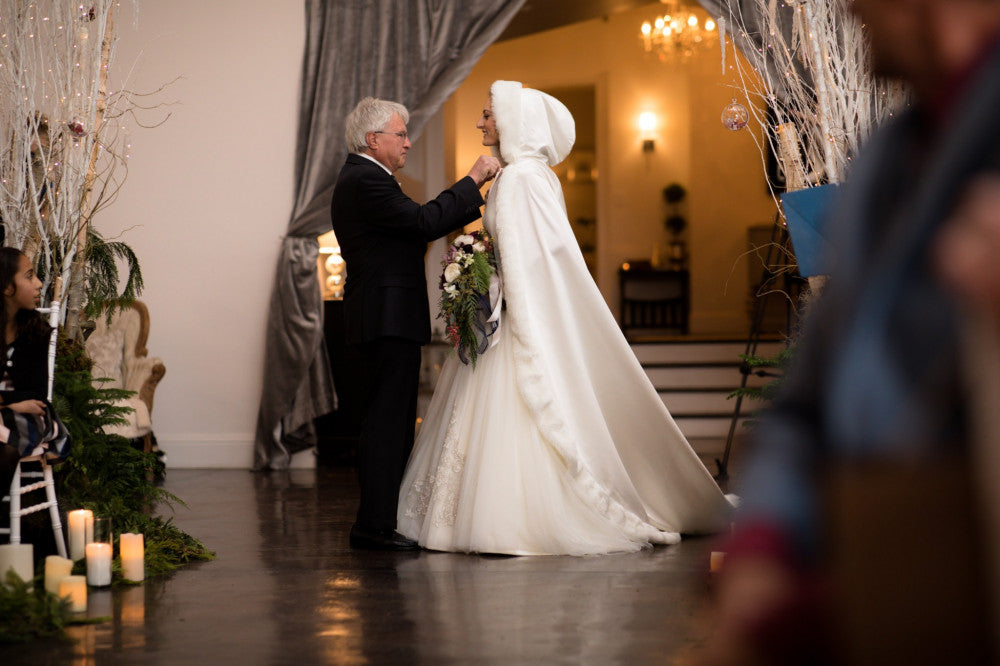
363	539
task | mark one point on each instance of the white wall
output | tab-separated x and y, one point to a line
205	204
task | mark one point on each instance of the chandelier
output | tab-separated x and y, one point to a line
677	33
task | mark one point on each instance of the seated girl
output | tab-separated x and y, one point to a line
27	422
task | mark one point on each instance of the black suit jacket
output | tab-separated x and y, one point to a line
383	236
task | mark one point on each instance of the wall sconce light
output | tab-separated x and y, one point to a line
647	124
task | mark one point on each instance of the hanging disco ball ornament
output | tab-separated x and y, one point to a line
735	116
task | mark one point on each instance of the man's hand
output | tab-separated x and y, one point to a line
484	170
28	407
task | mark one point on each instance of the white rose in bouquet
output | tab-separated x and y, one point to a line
451	272
479	247
464	239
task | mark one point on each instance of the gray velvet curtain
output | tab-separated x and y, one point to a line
415	52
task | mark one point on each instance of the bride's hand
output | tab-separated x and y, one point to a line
484	170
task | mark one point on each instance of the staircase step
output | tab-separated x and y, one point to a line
654	353
705	377
708	448
716	427
694	379
683	403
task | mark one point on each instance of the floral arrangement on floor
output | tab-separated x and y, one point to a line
469	266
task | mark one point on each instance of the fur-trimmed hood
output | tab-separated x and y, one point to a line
531	124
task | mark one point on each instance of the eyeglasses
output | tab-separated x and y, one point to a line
402	135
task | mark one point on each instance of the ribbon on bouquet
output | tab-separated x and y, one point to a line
496	300
487	320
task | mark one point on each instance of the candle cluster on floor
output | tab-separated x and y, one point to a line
90	539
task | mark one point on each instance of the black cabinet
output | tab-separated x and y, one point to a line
653	300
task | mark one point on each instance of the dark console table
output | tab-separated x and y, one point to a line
653	300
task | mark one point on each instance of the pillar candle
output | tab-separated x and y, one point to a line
98	564
56	568
75	589
133	557
81	532
18	557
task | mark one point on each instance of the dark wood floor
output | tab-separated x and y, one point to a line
286	589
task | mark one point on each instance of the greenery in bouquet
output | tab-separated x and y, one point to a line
468	264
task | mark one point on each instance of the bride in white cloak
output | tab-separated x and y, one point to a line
555	442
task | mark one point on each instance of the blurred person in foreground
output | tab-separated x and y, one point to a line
862	536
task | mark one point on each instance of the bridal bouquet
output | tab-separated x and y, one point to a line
469	264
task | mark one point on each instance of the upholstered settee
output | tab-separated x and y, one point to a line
121	360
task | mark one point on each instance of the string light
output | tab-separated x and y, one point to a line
52	89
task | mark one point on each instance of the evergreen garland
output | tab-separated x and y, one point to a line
103	472
106	474
28	613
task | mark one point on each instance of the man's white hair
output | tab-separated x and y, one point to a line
370	115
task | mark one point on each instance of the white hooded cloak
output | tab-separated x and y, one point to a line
556	443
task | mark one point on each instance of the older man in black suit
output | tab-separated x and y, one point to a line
383	236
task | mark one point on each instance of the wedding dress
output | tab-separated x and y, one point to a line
556	442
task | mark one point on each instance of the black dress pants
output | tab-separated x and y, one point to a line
392	373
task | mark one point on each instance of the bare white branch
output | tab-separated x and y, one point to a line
811	66
64	145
